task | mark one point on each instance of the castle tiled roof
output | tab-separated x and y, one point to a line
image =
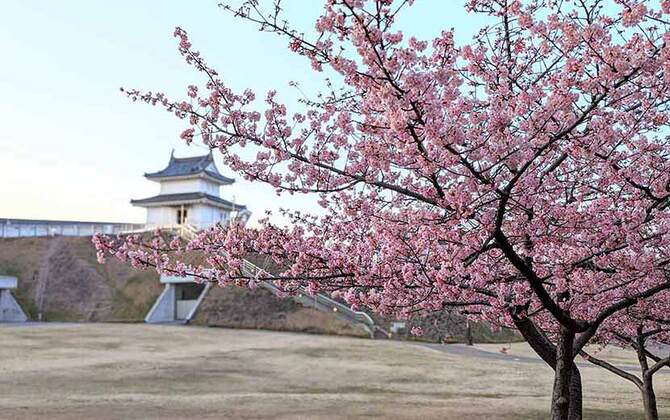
190	167
187	198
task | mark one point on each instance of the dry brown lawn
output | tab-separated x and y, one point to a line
135	371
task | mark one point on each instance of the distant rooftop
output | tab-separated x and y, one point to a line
191	167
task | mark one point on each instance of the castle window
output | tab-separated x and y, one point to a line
182	214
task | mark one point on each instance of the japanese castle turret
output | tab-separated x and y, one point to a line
190	195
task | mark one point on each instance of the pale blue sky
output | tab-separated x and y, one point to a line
73	147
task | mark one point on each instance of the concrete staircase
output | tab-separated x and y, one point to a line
320	302
317	301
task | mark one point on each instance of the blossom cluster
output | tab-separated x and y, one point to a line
524	174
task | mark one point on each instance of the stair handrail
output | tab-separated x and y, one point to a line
189	231
182	229
359	316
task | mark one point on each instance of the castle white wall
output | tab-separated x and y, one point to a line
202	216
189	185
161	216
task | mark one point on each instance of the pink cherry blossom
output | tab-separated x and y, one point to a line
522	178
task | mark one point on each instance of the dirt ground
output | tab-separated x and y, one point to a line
136	371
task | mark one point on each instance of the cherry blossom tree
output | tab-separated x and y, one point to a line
647	331
522	178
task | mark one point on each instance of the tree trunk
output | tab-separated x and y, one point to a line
468	333
647	388
575	412
649	399
547	352
560	400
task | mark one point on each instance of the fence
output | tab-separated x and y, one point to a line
20	228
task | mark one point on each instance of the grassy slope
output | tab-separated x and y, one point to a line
235	307
77	288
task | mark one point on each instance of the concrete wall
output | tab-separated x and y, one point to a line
10	311
164	308
8	282
26	228
168	308
168	278
184	308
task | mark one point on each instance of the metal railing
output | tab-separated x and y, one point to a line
22	228
184	230
318	300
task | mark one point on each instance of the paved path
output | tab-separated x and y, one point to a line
473	351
